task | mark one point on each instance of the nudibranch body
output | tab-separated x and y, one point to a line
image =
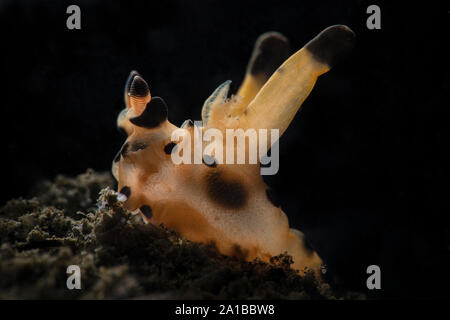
228	205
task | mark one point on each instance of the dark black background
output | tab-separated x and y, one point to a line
364	166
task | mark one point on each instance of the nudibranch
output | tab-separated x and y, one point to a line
228	205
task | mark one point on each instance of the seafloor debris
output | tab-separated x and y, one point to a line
120	256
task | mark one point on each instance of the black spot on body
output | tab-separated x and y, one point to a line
147	211
331	44
273	197
169	147
210	161
126	191
230	194
136	146
154	114
139	87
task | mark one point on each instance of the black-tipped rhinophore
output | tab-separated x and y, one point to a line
271	50
130	81
139	87
331	44
154	114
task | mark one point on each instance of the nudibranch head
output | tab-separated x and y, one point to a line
171	177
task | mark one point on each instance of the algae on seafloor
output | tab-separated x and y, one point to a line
120	256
